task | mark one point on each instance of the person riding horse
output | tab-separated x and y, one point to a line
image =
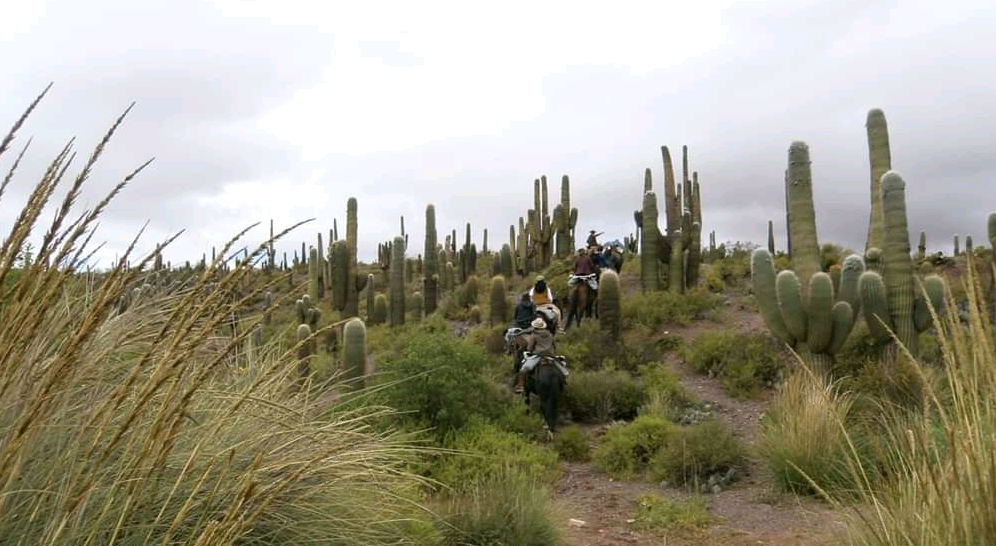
539	346
585	270
542	297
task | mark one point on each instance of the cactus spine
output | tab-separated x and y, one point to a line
354	350
891	297
499	304
397	288
609	294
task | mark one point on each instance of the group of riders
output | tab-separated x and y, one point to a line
538	318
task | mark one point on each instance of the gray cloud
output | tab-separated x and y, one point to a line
788	72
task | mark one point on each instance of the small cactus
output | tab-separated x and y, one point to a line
304	351
379	309
418	306
430	262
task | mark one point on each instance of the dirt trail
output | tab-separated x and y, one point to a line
751	512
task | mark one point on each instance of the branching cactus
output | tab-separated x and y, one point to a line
397	288
499	303
800	306
354	350
609	295
891	299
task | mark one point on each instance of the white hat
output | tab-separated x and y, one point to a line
539	323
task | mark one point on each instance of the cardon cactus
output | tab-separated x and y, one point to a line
354	350
304	350
313	275
347	284
507	263
370	296
801	306
650	244
880	159
380	309
418	306
499	303
397	288
891	299
565	220
609	295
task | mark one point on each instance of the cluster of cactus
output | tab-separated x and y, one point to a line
680	247
308	318
802	306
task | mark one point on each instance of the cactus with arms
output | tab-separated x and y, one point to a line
800	306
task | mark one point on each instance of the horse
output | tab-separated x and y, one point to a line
582	298
615	258
548	383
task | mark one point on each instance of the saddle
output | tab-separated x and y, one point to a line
591	279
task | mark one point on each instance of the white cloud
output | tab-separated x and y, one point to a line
482	68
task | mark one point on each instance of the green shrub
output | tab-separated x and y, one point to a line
502	510
522	420
603	395
438	380
700	450
660	308
804	436
745	360
626	449
664	390
656	512
571	444
485	451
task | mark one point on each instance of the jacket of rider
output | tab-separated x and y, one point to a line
541	343
525	312
583	265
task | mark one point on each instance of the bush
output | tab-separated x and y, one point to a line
502	510
803	437
745	360
660	308
626	449
486	452
664	391
701	450
571	444
603	395
438	381
655	512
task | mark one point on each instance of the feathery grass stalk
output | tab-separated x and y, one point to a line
131	428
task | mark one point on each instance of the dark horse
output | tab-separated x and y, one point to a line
546	381
582	300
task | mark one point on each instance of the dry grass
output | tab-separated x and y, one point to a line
133	428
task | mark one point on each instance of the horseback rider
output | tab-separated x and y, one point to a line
593	239
540	345
542	298
525	311
583	267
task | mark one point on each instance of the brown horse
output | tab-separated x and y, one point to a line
582	298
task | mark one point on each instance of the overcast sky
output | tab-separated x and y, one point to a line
260	109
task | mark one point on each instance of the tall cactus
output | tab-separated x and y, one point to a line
507	262
313	275
771	238
799	305
650	244
891	299
880	160
346	294
565	220
354	350
430	263
609	295
370	297
397	288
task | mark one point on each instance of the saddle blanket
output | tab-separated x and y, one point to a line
592	281
530	361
